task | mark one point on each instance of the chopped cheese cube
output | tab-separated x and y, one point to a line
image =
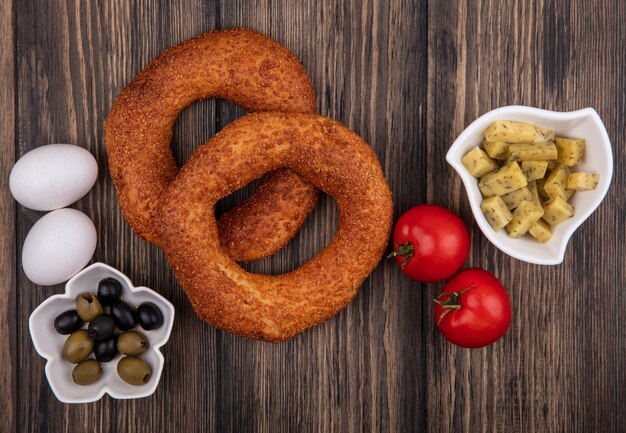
514	198
583	181
502	181
556	183
557	210
496	149
534	170
478	163
496	212
570	150
515	132
532	151
526	214
540	231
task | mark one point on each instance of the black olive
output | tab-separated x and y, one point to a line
124	316
149	316
101	327
105	350
67	322
109	291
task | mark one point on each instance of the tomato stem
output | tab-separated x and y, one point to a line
452	303
406	250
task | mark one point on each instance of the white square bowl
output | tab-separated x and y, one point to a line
49	343
598	158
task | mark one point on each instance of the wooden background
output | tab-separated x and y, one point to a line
408	76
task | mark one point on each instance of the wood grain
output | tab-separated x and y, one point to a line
545	375
408	75
8	340
350	54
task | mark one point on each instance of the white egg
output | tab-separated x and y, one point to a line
59	245
53	176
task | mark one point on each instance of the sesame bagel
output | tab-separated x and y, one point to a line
242	66
276	307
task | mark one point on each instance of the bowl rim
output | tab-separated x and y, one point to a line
143	391
453	157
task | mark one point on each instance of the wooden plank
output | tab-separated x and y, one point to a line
554	370
408	77
8	294
359	371
73	59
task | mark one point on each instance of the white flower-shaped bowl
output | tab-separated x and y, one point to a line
598	158
49	344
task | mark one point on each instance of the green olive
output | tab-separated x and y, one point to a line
87	372
88	306
78	346
132	343
134	370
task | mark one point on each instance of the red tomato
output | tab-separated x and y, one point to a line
473	309
430	243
